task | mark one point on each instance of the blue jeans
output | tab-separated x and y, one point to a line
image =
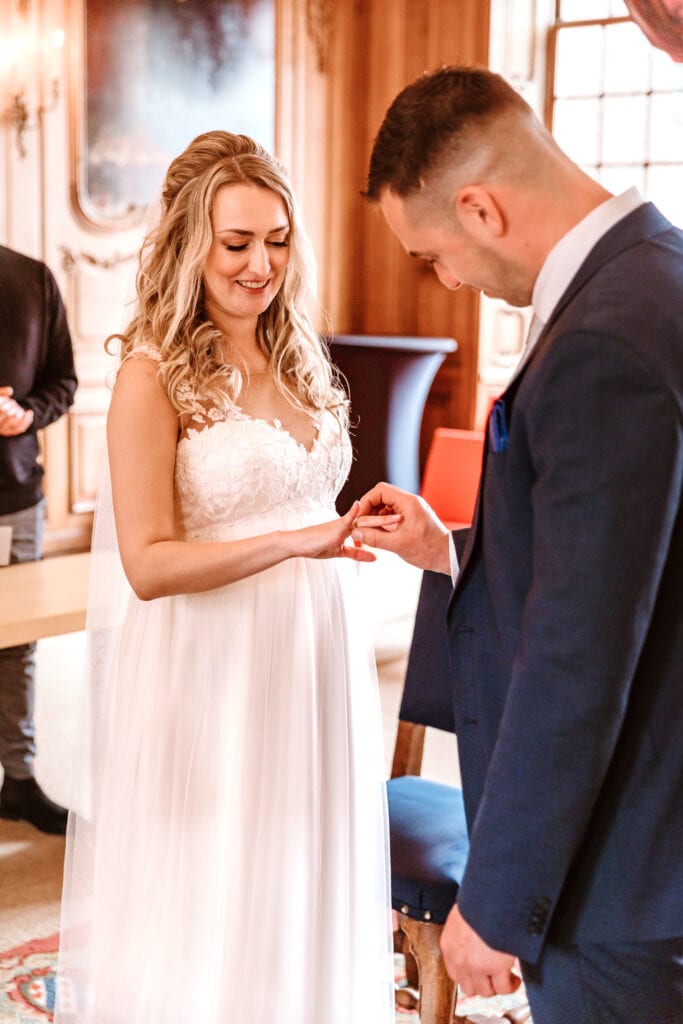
17	664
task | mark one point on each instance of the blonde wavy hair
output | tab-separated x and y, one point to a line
170	315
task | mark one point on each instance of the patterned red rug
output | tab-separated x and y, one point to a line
28	984
27	981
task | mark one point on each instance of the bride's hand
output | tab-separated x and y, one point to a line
329	540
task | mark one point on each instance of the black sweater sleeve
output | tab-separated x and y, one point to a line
55	381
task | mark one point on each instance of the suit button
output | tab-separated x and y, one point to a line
539	916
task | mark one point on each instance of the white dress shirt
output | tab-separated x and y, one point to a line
559	267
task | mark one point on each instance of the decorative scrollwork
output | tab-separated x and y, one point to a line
71	259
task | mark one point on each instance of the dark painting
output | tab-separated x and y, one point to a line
159	72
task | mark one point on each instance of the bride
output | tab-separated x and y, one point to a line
229	864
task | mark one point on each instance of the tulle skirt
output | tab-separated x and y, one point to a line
229	863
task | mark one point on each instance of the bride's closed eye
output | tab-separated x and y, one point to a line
243	245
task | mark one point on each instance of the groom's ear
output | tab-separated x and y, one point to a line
478	212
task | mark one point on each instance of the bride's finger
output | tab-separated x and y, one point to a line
357	553
352	512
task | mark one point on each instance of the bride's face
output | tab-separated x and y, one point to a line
249	253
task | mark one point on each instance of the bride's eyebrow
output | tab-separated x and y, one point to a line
249	234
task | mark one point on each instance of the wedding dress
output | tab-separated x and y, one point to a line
228	860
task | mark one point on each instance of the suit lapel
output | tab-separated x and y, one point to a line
642	223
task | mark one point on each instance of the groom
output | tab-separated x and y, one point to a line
566	620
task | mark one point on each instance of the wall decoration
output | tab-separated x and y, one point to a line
155	74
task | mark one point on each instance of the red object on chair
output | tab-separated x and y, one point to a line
451	475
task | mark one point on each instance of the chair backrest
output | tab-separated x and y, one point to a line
451	475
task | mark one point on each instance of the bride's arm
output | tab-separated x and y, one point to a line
142	431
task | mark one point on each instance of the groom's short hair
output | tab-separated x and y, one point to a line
431	122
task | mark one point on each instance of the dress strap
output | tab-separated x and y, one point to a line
148	351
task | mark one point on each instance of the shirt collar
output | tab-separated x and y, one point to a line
565	258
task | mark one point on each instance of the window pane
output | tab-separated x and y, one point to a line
618	110
583	10
576	127
623	139
618	179
664	189
627	59
578	64
666	74
666	128
580	10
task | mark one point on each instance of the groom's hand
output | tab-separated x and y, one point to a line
478	969
419	538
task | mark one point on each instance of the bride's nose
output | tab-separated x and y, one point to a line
259	260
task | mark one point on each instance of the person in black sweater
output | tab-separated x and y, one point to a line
37	385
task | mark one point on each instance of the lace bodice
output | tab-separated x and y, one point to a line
238	476
241	473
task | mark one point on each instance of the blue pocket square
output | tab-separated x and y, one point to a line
498	428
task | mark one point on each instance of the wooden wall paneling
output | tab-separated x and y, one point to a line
301	98
387	287
329	111
397	295
346	117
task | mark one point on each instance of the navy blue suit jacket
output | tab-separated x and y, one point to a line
566	623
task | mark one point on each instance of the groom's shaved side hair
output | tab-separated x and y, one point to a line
438	119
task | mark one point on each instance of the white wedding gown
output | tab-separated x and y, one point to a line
231	864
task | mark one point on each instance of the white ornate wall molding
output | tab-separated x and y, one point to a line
70	260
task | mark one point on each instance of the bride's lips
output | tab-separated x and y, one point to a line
254	287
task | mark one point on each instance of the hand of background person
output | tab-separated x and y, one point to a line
478	969
328	540
14	419
419	536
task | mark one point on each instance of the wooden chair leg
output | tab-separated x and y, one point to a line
401	946
412	972
437	990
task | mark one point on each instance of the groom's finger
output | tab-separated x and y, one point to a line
373	538
378	522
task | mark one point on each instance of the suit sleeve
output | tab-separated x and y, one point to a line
56	382
605	440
